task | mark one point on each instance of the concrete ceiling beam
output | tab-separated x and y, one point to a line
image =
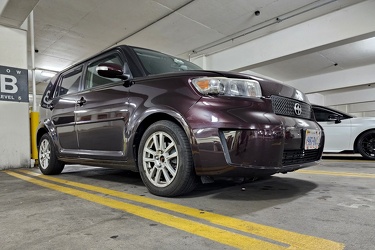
344	26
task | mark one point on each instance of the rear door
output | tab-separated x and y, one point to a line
63	107
102	112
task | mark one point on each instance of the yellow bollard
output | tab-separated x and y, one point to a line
34	122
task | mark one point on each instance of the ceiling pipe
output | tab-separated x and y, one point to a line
44	69
32	45
265	24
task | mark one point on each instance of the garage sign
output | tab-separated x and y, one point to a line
13	84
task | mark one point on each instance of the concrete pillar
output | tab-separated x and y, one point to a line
14	121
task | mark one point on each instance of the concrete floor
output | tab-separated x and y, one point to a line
330	206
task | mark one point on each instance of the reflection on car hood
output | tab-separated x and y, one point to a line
368	120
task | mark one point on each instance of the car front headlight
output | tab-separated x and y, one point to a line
227	86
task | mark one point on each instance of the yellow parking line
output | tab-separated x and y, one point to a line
209	232
348	160
347	174
295	240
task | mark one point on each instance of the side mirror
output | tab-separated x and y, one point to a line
335	118
111	70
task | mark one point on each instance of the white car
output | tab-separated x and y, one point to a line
344	132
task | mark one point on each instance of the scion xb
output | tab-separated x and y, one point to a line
162	116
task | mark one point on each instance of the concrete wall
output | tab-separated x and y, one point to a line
14	121
316	98
351	90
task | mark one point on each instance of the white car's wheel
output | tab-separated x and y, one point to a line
165	160
366	145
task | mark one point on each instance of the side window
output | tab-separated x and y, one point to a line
322	115
69	82
93	79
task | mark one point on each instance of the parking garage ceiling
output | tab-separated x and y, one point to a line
67	31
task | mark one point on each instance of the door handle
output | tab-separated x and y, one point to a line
81	101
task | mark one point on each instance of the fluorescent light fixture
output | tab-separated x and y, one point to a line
48	73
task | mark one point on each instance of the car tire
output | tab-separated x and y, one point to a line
48	162
165	160
366	145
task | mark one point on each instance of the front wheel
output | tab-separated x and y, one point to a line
48	162
366	145
165	160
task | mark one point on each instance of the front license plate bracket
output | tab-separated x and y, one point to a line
312	139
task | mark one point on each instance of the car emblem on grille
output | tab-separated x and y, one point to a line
297	109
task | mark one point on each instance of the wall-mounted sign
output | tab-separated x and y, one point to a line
14	86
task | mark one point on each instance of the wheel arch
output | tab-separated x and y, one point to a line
43	130
152	118
44	127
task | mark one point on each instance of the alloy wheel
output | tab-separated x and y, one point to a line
44	154
368	145
160	159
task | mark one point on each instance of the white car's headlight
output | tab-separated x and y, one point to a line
227	86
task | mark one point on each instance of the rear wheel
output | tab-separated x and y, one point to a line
48	162
366	145
165	160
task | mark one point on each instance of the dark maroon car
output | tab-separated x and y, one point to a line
146	111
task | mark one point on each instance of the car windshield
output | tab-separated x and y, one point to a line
158	63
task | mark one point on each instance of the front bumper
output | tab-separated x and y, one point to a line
264	145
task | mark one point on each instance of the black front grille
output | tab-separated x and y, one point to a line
286	106
291	157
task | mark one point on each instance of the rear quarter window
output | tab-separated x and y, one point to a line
69	82
48	92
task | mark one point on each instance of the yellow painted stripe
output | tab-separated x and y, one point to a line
209	232
346	174
348	160
295	240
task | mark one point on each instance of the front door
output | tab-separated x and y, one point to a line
102	114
